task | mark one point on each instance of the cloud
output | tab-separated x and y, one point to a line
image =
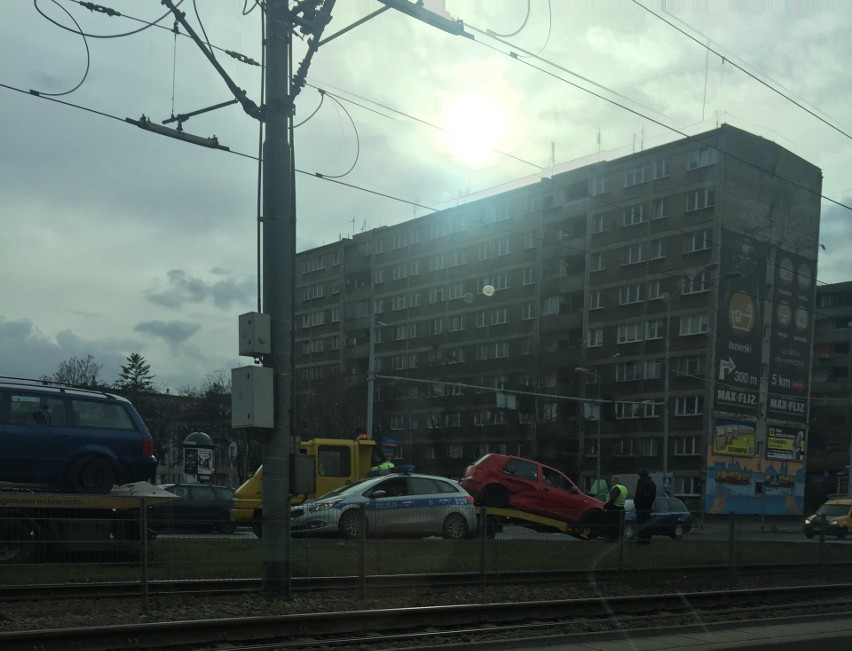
173	332
183	288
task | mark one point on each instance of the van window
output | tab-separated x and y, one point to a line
101	415
35	410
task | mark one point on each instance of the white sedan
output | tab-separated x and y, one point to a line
397	504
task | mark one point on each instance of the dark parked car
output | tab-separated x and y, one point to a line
502	480
81	440
669	517
201	507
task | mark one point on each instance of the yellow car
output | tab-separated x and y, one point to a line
834	518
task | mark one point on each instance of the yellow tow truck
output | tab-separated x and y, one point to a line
335	461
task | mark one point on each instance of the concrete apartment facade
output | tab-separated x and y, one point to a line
830	441
559	321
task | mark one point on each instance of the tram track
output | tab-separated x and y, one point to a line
388	582
450	624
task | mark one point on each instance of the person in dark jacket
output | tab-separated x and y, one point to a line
646	492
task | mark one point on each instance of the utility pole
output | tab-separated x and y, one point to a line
279	259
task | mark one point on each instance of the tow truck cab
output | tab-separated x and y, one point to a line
335	462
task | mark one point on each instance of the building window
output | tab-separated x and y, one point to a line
692	365
483	251
653	369
598	262
455	355
629	333
526	312
633	254
654	329
456	451
481	319
688	406
634	214
598	224
625	448
526	346
454	420
693	324
649	447
596	337
655	291
499	316
550	306
656	249
630	294
456	323
530	239
499	349
436	294
457	258
398	302
481	351
696	284
335	314
437	326
698	241
438	262
595	300
456	290
687	486
528	275
701	157
628	372
503	247
661	168
379	277
600	185
659	209
700	199
687	446
637	175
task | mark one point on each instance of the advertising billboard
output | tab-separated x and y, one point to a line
785	443
732	437
790	337
739	343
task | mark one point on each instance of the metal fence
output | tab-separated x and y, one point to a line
57	548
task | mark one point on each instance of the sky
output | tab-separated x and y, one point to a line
115	240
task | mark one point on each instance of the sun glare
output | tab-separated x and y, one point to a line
476	125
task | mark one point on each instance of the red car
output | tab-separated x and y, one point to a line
506	481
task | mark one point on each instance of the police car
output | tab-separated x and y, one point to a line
393	505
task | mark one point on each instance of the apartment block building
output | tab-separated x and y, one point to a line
648	311
830	441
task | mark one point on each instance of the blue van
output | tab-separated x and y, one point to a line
81	440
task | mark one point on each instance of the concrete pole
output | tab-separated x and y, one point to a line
279	256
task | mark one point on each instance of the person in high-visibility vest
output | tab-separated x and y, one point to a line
615	506
384	468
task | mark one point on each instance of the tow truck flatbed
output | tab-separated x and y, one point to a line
503	515
126	496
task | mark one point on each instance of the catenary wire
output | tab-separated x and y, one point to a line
85	44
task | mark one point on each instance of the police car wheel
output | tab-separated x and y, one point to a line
455	526
350	524
677	532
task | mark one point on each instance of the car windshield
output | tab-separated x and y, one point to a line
833	509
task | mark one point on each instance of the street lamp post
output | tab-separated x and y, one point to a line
597	379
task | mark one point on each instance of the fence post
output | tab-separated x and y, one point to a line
143	533
621	541
483	539
731	544
362	551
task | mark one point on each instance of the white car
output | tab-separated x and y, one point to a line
397	504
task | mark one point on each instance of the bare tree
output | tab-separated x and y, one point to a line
77	371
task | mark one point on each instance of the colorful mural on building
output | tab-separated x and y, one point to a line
739	481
